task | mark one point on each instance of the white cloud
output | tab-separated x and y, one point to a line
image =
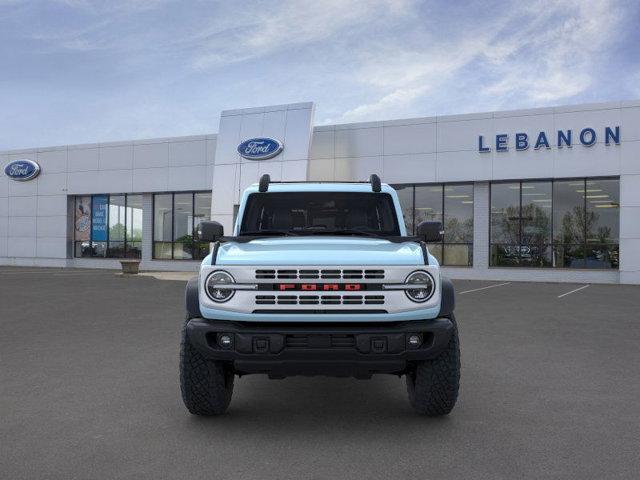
259	32
544	52
554	63
404	77
397	98
155	68
112	6
633	84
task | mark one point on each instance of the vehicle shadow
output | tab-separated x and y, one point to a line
332	405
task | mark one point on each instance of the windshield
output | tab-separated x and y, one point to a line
320	213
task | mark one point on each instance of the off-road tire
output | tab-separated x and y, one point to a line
206	385
433	385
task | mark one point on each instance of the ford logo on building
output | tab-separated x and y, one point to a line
260	148
22	170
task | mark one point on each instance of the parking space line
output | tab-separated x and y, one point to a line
34	272
573	291
20	271
485	288
57	273
75	274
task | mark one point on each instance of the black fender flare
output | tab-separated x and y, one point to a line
447	298
192	302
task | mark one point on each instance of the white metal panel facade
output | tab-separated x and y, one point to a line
36	216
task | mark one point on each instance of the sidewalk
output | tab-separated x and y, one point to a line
175	276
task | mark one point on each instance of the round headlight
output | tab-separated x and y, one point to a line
212	286
425	286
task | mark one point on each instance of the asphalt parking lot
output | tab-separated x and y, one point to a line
89	389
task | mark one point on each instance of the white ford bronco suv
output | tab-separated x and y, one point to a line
320	279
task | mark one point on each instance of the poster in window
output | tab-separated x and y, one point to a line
99	218
83	219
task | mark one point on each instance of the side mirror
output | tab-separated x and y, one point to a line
210	231
430	232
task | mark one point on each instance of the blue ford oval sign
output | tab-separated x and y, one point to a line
260	148
22	170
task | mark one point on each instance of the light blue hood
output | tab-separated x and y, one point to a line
320	251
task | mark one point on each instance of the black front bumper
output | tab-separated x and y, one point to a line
344	350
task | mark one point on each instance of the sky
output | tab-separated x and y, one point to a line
80	71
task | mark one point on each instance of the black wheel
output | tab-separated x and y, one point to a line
433	384
206	385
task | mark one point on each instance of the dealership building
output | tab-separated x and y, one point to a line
548	194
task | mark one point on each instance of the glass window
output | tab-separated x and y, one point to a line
505	213
568	212
117	220
428	207
162	225
201	211
603	211
564	223
176	217
603	223
569	223
428	203
236	209
108	226
99	225
134	226
405	195
82	226
183	225
317	213
505	224
458	225
535	230
450	204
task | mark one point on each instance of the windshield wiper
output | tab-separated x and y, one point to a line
310	232
259	233
347	231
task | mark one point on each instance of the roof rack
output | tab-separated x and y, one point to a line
265	181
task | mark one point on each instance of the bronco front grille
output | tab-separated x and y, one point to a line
319	299
310	274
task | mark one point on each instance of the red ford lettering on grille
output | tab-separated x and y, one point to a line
326	287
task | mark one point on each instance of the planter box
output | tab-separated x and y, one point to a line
130	266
